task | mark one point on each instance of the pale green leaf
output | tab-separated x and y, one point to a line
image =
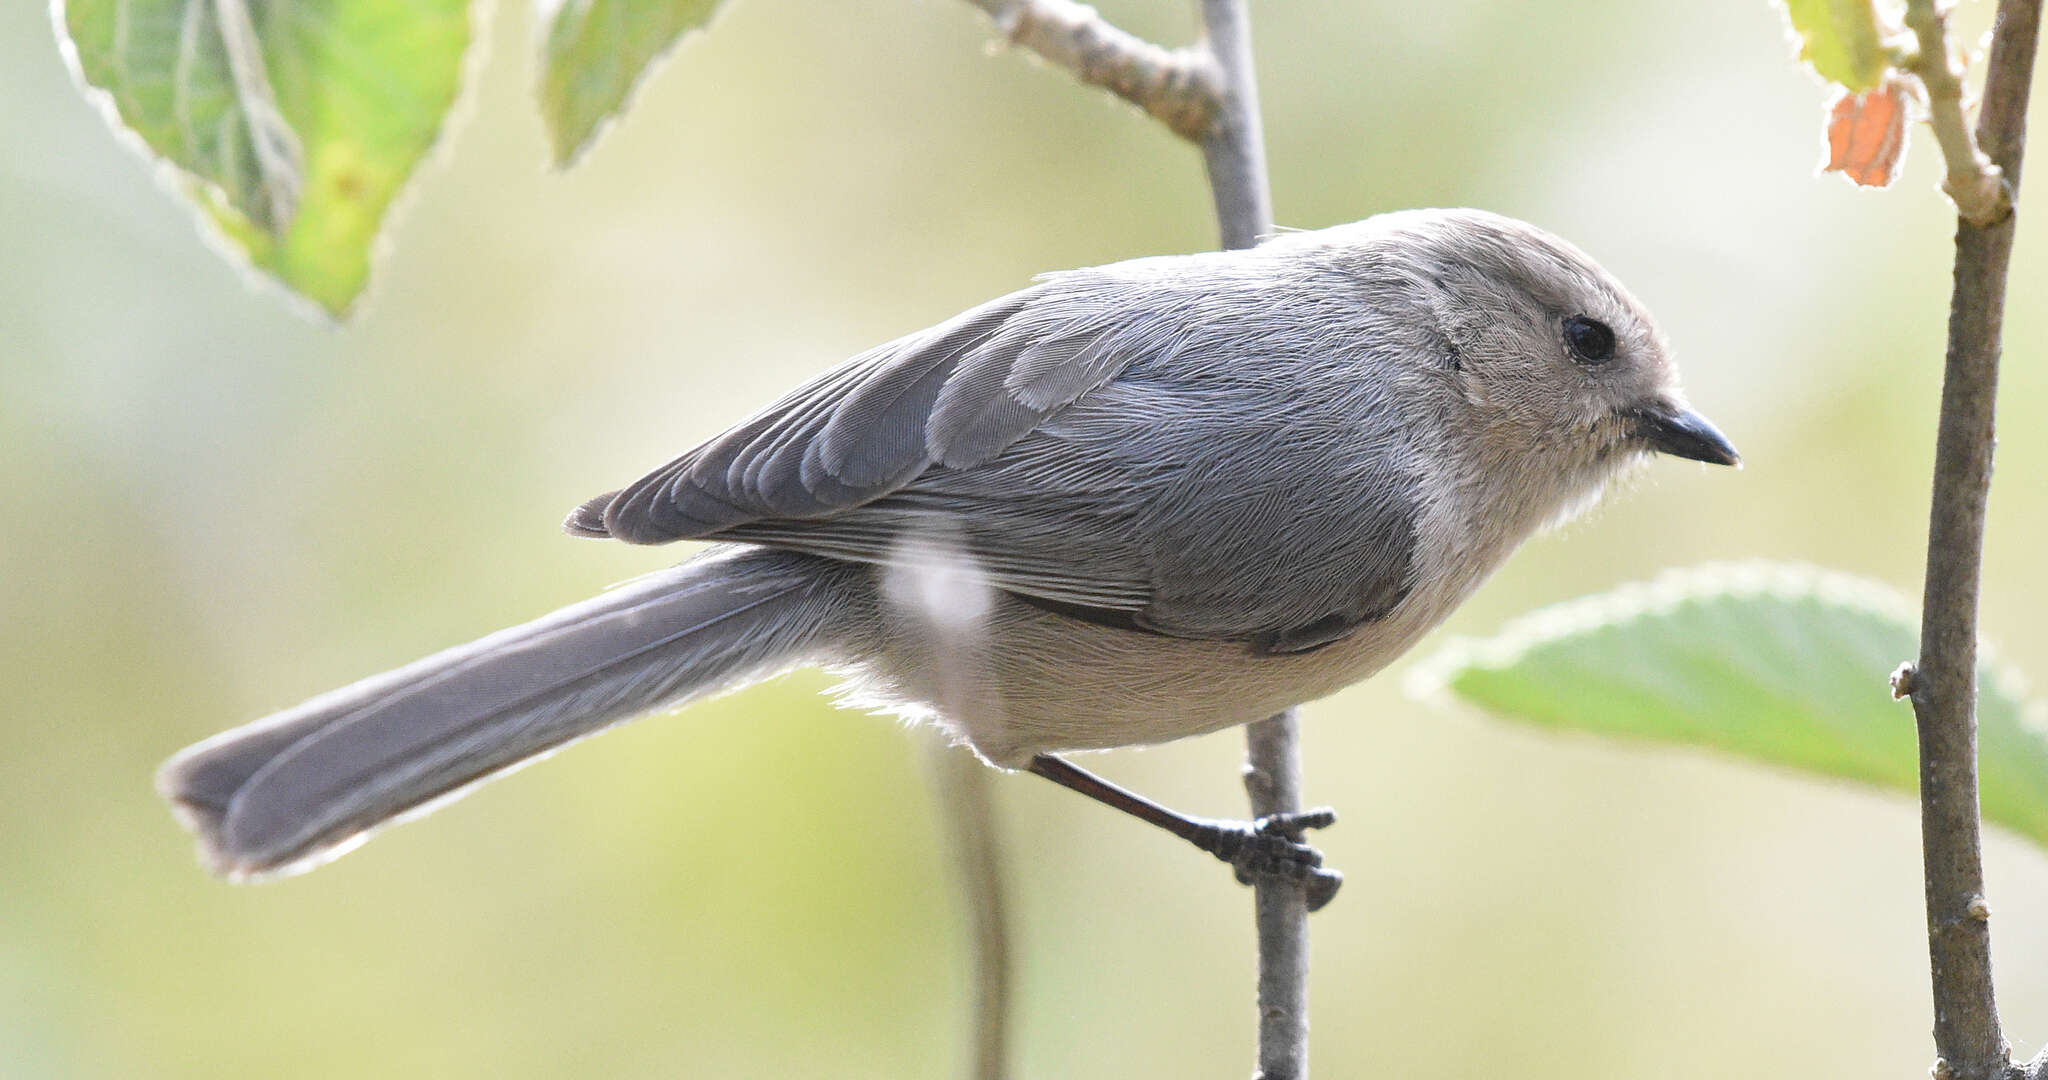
1782	665
597	51
1841	39
292	126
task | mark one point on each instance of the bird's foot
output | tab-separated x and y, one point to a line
1271	849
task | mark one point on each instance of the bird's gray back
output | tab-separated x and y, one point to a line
1202	446
1257	482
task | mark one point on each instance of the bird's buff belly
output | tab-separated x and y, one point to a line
1024	681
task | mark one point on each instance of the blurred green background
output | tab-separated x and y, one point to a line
211	507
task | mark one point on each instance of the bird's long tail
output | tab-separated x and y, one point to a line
301	786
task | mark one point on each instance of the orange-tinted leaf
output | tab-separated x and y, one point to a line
1867	135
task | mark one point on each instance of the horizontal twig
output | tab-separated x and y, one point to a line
1179	87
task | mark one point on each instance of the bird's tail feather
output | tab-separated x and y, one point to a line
299	787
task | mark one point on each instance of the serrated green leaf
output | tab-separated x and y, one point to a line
291	126
597	52
1783	665
1841	39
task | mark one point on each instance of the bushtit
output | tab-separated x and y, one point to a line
1124	505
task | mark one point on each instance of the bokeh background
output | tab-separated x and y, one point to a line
211	507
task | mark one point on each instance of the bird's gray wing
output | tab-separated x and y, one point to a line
955	395
1222	496
1134	448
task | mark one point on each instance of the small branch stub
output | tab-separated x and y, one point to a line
1179	87
1976	185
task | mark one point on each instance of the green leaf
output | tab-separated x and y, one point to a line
1841	39
1783	665
597	51
291	126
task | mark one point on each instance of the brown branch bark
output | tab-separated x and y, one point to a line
1944	683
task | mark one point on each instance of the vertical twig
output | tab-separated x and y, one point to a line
1272	776
1210	95
964	794
1944	684
1235	152
1235	146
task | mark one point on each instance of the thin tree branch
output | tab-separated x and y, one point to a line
1234	146
965	796
1210	95
1179	87
1272	776
1973	181
1943	686
1235	152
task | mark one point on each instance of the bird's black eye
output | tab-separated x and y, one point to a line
1589	339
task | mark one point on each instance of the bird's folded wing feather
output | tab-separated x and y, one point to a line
1135	505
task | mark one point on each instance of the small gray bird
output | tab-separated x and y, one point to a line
1124	505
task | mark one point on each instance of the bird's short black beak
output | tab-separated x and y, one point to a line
1681	432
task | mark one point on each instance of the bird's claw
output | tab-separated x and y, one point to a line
1270	849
